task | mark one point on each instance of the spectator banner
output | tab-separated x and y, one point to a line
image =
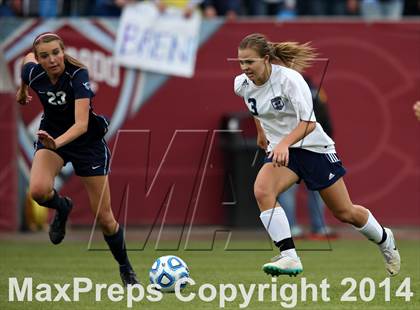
160	42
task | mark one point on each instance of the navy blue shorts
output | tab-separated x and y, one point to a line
89	159
318	170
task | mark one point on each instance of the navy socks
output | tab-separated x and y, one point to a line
55	202
116	244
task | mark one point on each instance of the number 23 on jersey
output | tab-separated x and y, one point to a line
58	98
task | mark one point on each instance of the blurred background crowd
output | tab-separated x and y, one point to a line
281	9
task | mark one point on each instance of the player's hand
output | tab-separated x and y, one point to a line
280	155
22	95
47	140
416	108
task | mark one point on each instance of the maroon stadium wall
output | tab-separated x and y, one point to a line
166	157
8	163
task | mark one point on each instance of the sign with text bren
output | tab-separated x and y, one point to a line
162	42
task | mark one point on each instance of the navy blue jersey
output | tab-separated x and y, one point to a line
59	99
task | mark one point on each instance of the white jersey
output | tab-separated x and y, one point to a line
280	104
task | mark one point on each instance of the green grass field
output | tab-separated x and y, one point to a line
357	259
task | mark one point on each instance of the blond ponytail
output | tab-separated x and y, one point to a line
289	54
292	54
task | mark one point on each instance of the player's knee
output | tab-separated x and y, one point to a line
345	216
107	223
39	192
261	193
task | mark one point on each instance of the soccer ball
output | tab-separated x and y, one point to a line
166	271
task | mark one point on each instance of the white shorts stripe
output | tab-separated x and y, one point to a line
106	157
332	157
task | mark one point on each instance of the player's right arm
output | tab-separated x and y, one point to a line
22	95
30	57
261	138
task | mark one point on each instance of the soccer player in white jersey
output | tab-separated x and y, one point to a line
298	148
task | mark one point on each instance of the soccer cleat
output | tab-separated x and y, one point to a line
129	277
58	225
282	264
391	254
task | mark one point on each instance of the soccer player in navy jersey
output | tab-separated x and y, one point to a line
298	148
70	132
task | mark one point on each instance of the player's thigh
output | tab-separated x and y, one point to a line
336	197
99	194
46	165
273	179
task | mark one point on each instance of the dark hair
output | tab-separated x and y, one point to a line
50	36
290	54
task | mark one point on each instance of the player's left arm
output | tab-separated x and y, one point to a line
80	126
301	95
82	95
301	130
280	154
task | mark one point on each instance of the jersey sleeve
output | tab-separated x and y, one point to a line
239	84
27	72
301	97
81	85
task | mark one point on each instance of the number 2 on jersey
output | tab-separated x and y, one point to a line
253	103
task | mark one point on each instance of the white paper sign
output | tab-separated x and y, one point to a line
160	42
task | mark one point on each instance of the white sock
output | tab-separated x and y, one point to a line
277	226
372	230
